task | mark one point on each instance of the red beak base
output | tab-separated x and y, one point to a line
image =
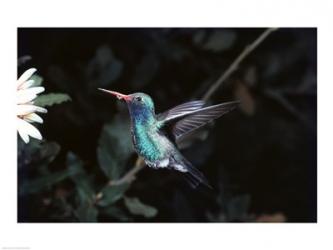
120	96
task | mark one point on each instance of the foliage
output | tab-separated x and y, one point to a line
135	206
111	194
51	99
37	80
115	147
260	158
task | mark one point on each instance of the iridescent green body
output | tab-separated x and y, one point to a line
147	138
148	142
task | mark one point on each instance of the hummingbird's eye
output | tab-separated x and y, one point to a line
138	98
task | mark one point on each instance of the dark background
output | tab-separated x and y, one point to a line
261	158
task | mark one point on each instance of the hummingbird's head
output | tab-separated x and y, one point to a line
140	105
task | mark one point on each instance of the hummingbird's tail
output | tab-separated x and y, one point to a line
193	176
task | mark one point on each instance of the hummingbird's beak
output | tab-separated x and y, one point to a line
120	96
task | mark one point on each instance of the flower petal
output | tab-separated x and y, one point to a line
27	95
27	109
25	76
26	128
32	117
23	135
23	98
26	84
40	109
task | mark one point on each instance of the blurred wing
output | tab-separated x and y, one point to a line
201	117
180	111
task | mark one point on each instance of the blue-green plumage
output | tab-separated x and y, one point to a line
145	130
154	136
147	142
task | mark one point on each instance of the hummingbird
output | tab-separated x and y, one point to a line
155	136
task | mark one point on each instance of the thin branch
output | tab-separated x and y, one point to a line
278	97
127	178
130	175
248	49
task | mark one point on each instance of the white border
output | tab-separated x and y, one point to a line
168	13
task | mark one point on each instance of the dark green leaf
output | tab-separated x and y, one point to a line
86	213
46	181
49	151
51	99
82	181
114	148
27	153
37	153
111	194
136	207
37	80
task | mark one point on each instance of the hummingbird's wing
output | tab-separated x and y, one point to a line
183	124
180	111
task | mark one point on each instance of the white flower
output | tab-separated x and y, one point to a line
26	110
